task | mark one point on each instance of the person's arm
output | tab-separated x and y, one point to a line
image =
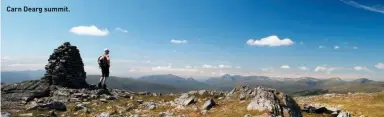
108	60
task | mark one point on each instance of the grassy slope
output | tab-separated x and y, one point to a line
367	104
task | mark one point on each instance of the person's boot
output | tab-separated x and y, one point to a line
99	85
104	86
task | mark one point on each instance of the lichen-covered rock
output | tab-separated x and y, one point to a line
277	103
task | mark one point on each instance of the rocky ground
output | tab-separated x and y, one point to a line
240	102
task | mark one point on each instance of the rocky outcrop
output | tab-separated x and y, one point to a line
65	67
267	100
322	109
14	95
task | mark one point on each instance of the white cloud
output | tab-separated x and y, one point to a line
89	30
285	67
266	69
328	70
321	47
270	41
303	68
21	63
224	66
23	67
336	47
179	41
207	66
355	48
301	42
374	8
360	68
122	30
188	66
237	67
320	68
380	66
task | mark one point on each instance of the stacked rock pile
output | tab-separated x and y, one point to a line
65	67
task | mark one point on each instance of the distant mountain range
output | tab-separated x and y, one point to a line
172	83
176	81
9	77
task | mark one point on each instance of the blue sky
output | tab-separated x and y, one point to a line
322	38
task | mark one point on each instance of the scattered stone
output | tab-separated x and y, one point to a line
248	115
5	114
208	104
220	98
136	115
344	114
152	107
103	114
140	101
193	92
204	112
80	107
103	100
166	114
203	92
52	113
110	97
51	105
242	97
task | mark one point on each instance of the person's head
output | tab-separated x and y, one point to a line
106	51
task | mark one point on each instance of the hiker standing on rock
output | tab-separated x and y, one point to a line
104	64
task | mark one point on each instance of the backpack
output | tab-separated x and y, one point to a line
102	61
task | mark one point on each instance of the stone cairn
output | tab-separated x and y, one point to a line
65	68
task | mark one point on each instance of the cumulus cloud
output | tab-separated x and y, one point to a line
270	41
336	47
380	66
321	47
179	41
374	8
360	68
325	69
89	31
303	68
285	67
120	29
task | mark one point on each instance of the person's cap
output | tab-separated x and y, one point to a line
106	50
